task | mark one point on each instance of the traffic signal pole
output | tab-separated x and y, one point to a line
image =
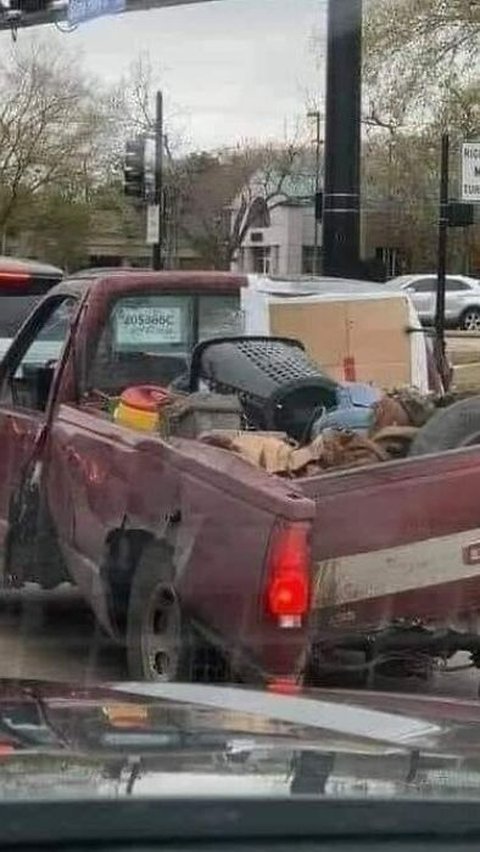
443	222
157	257
341	219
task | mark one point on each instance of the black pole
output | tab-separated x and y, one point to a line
157	259
341	228
442	258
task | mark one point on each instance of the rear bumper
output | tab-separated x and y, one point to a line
281	658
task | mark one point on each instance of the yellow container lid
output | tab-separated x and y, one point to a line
136	418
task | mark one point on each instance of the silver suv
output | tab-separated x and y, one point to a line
462	298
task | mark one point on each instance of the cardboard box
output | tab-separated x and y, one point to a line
364	339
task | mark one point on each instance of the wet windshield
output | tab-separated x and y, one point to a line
239	399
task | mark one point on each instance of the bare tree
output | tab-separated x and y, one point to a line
228	192
401	178
415	49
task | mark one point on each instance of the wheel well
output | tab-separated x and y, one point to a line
123	551
472	307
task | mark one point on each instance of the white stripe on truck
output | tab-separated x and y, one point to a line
390	571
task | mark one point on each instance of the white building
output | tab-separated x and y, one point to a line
286	246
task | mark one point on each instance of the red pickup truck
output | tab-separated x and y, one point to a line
201	564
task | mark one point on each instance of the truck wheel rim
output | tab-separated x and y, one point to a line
161	640
471	321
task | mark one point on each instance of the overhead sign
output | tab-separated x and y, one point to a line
84	10
153	224
470	191
50	13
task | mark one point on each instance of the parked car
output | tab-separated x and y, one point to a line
22	284
462	298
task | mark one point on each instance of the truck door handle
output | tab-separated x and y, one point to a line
89	468
73	457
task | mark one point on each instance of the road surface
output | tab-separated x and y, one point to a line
52	635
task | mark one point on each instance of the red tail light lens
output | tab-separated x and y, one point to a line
14	277
288	584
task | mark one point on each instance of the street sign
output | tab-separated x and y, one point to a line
153	224
28	14
470	191
84	10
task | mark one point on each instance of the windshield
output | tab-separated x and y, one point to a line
239	403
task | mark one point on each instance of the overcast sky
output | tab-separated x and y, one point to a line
230	69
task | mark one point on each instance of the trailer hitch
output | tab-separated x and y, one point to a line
395	639
399	649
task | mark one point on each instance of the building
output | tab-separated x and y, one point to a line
283	242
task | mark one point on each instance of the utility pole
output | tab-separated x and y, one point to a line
316	115
157	258
341	219
443	223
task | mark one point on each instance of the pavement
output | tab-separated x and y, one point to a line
52	635
464	353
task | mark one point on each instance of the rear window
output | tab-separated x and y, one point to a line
13	311
148	337
219	316
171	323
152	323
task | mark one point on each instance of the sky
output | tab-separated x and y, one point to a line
230	69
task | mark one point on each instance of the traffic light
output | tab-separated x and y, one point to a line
318	206
460	215
134	168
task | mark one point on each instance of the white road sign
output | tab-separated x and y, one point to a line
471	172
153	224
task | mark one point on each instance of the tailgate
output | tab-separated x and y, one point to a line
397	541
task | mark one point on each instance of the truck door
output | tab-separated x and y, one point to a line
25	378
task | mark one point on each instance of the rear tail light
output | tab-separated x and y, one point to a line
14	277
288	578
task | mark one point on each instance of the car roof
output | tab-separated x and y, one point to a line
140	279
95	271
400	280
34	267
20	277
314	285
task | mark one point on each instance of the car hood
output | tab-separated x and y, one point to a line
163	740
